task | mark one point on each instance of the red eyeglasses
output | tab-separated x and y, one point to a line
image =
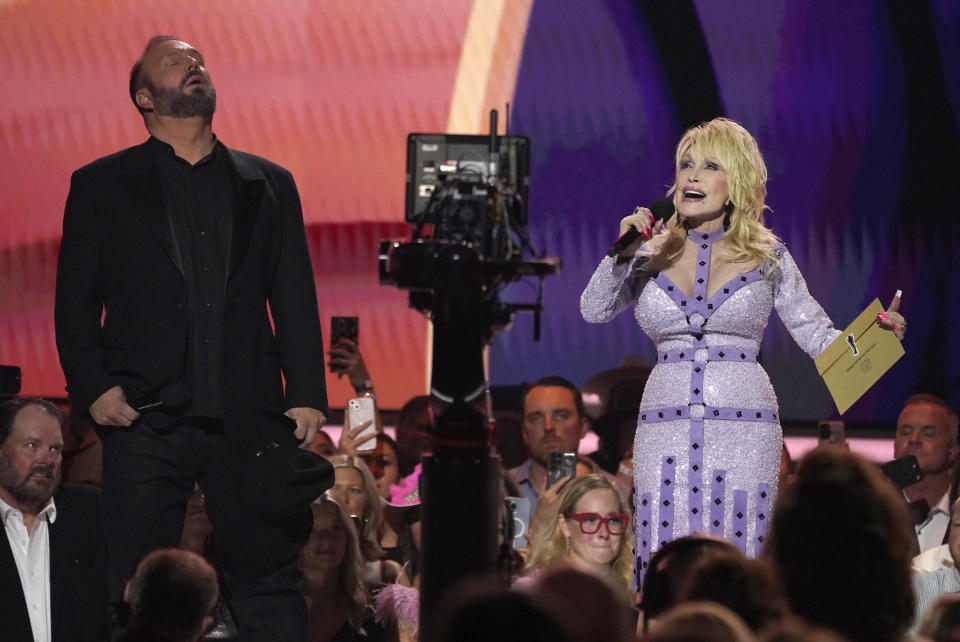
590	523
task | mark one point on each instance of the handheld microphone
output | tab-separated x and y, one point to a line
662	209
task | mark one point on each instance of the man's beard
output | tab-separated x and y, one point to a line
27	490
175	102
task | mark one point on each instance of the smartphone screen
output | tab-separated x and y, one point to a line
560	465
361	410
832	433
520	512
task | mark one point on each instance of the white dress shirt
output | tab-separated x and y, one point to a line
928	587
31	552
931	531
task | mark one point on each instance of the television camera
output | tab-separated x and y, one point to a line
467	199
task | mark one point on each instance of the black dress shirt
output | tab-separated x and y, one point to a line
200	200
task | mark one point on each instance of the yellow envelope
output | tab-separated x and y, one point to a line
858	357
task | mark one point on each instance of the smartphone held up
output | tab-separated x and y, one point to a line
361	410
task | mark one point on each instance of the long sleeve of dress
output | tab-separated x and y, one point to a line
804	318
612	289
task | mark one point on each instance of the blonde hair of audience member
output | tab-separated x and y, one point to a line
586	466
549	545
330	520
362	496
748	239
699	621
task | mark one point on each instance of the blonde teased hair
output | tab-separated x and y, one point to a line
737	153
350	574
373	511
549	545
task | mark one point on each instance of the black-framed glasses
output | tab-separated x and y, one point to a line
590	523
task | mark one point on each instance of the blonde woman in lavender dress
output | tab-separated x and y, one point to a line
707	448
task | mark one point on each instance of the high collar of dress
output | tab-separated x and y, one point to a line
703	237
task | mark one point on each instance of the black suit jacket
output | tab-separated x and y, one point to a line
78	574
119	254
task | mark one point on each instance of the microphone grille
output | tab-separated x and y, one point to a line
662	209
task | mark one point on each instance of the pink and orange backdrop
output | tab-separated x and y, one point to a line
328	89
855	105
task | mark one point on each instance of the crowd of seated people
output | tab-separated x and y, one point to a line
849	556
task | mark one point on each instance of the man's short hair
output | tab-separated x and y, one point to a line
559	382
923	397
136	78
10	408
171	592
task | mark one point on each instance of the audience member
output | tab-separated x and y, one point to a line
588	527
840	542
667	580
197	537
383	462
928	587
338	604
927	429
53	577
700	622
794	629
401	514
323	445
588	607
745	586
397	605
938	557
414	433
384	458
586	466
171	596
481	610
356	490
554	420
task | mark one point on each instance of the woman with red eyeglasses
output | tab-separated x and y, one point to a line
589	528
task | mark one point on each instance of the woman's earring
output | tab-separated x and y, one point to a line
568	544
728	210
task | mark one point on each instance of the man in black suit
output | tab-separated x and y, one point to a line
184	290
52	550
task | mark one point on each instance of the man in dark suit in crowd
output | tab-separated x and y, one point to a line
52	550
927	429
184	290
171	597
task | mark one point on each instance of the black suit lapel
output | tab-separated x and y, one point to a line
245	214
147	194
61	559
14	619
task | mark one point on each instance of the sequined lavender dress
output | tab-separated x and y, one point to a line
707	450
